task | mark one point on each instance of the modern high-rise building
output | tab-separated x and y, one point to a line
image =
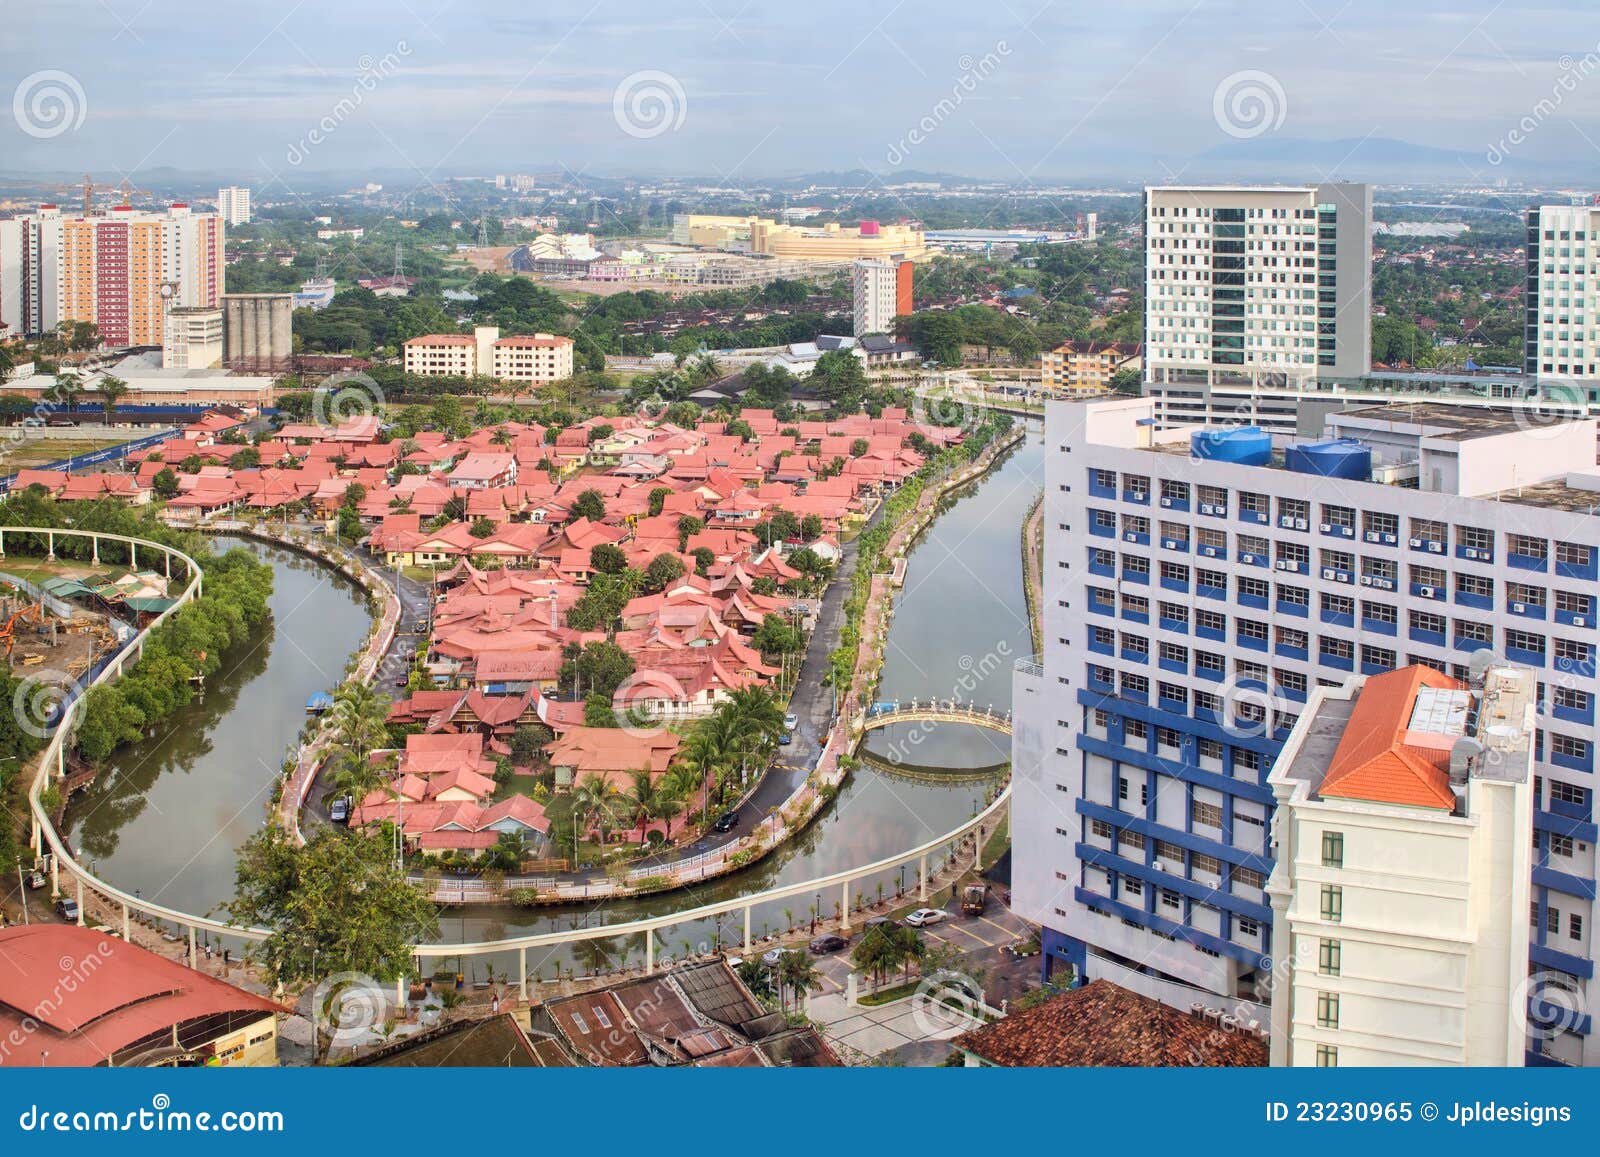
1561	298
880	292
1246	285
121	269
233	205
1199	585
1401	890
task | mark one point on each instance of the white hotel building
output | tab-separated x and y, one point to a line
1191	606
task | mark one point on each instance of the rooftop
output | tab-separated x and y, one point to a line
1103	1024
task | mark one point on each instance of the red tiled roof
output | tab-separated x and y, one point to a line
1379	759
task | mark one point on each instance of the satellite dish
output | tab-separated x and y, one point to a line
1478	665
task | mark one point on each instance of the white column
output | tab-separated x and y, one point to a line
922	878
844	906
522	974
747	945
649	952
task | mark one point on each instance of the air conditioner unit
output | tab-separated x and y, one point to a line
1302	524
1391	539
1159	866
1370	536
1436	547
1283	564
1579	622
1166	502
1207	508
1327	528
1247	558
1286	522
1415	541
1366	580
1519	608
1469	552
1130	537
1427	592
1328	572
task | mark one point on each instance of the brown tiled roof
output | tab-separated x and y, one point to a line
1103	1024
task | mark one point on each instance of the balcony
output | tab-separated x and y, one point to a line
1136	538
1210	675
1178	544
1142	497
1339	618
1208	551
1337	530
1578	570
1181	586
1525	656
1100	530
1379	627
1292	565
1100	648
1250	643
1216	634
1103	569
1096	607
1131	656
1210	592
1259	602
1256	516
1140	617
1571	811
1583	715
1251	558
1378	582
1284	650
1169	502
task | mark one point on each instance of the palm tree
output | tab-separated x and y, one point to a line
702	754
797	974
647	801
595	798
111	391
67	389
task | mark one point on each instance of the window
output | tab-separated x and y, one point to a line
1103	479
1254	504
1568	746
1379	523
1339	560
1527	546
1575	927
1574	554
1552	921
1568	792
1175	572
1294	596
1248	927
1474	632
1103	520
1560	845
1135	644
1214	496
1574	604
1176	612
1338	605
1334	647
1327	1057
1210	621
1136	729
1338	516
1377	612
1211	578
1525	641
1328	955
1377	657
1135	686
1428	576
1130	841
1206	661
1426	622
1255	545
1135	564
1209	749
1137	486
1171	899
1100	829
1474	586
1253	588
1570	651
1523	593
1174	492
1209	865
1175	694
1327	1010
1252	629
1248	877
1212	540
1333	849
1427	530
1173	653
1205	813
1475	538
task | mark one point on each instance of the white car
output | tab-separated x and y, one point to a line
790	722
922	917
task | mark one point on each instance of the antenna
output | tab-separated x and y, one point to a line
399	261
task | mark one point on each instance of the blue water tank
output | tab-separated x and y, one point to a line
1246	445
1336	458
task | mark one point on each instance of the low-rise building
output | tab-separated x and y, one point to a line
1086	366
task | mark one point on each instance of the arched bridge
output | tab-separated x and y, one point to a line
886	714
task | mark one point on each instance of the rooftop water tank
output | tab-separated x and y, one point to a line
1337	458
1246	445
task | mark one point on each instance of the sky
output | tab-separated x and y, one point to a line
1030	91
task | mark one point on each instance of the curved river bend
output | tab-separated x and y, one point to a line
169	816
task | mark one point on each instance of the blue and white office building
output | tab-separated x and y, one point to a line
1199	584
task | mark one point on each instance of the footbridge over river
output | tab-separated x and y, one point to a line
889	713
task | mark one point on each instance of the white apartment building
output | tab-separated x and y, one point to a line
1400	893
1561	298
880	289
30	271
1196	592
539	357
1247	285
233	204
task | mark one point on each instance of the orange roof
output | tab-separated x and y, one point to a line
1379	757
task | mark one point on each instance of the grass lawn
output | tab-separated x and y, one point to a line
28	452
889	993
996	845
37	569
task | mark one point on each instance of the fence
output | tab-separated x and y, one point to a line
96	457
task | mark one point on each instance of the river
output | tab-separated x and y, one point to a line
166	816
170	814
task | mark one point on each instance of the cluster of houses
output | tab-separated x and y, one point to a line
506	520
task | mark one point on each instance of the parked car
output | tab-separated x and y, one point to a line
791	721
36	880
922	917
974	897
823	945
772	956
339	810
785	739
726	823
67	909
882	925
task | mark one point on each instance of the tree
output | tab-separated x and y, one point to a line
775	636
704	557
339	904
598	712
106	721
858	447
658	499
482	527
811	527
838	378
591	505
527	745
663	570
608	559
797	974
245	459
598	669
165	482
595	799
689	526
111	391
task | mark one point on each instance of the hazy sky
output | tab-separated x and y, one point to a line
1016	89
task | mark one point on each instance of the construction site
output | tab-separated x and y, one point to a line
67	623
